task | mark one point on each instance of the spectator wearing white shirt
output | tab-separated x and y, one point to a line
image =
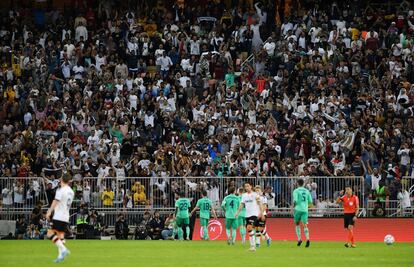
404	154
405	202
81	31
149	119
341	25
165	63
133	100
159	52
302	41
100	61
78	70
183	79
195	46
133	46
66	68
314	33
270	46
7	196
93	139
286	26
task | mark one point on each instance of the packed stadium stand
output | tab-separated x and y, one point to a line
140	100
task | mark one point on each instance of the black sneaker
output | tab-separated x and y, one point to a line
299	243
347	245
307	243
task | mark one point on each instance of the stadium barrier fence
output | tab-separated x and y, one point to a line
132	196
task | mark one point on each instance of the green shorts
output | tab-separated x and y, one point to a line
204	221
241	221
182	222
301	216
231	223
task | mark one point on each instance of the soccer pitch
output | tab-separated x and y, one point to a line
201	253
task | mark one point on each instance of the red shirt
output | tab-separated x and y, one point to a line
260	85
350	203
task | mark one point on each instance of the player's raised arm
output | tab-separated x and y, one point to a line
339	199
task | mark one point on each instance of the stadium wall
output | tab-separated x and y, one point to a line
325	229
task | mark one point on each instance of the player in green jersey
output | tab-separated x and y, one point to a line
205	205
230	205
241	219
182	205
302	200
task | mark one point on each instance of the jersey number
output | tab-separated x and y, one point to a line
231	204
303	197
206	206
183	206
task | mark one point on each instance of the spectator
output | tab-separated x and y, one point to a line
168	231
108	197
405	202
121	228
142	230
81	33
21	227
7	197
381	195
140	198
156	225
336	93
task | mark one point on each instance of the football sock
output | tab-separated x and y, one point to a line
228	233
251	238
180	233
258	237
205	232
306	230
233	234
187	232
298	234
266	235
243	233
350	236
60	245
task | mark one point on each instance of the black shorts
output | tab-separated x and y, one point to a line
252	220
262	222
349	219
59	226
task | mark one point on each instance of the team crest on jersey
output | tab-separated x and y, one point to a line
351	203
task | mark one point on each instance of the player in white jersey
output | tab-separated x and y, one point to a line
60	208
261	229
252	202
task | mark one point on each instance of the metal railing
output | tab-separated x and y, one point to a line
140	193
250	59
134	195
21	194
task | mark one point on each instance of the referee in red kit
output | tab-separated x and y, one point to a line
350	202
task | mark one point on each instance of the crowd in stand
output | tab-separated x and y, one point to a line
198	88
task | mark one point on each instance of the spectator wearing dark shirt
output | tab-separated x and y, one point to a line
156	226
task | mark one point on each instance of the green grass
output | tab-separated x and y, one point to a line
199	253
